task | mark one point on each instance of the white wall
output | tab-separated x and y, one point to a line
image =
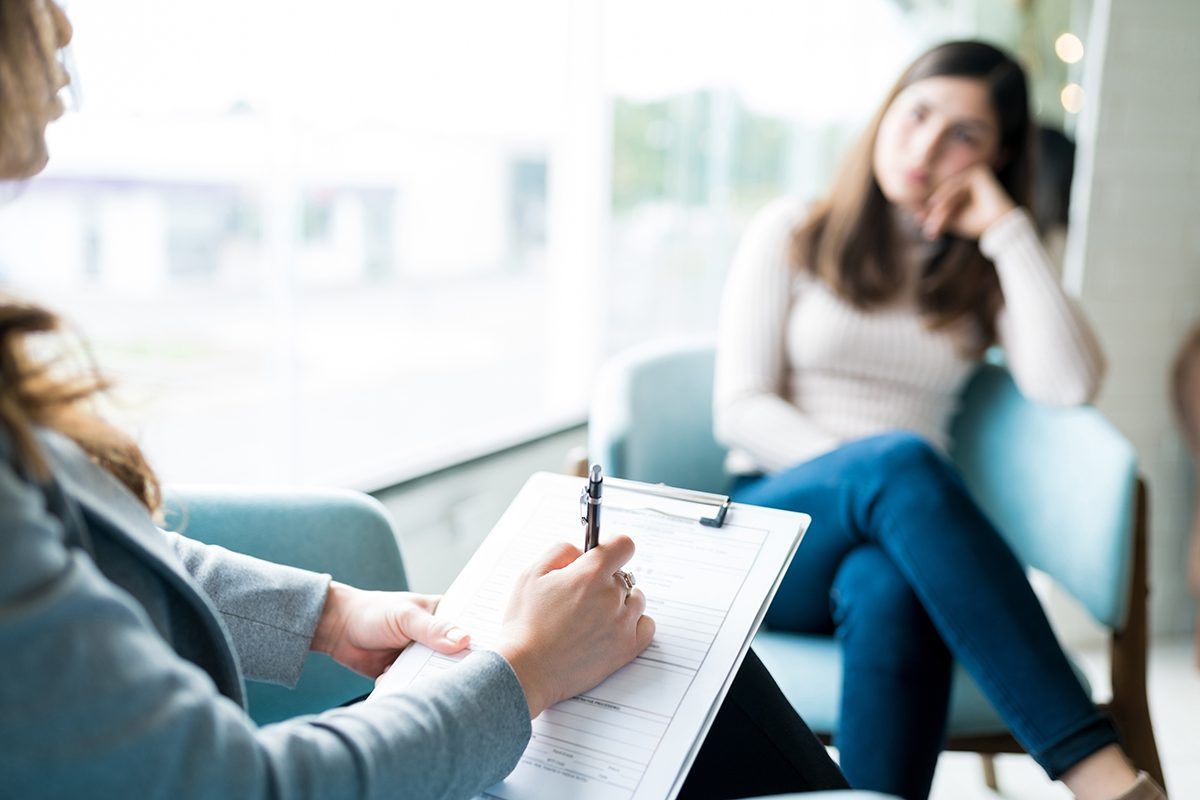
1134	251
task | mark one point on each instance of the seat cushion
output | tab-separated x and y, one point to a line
809	671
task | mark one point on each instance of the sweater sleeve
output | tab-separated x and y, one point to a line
97	704
750	411
1050	348
270	610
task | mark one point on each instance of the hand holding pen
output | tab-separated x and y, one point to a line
562	632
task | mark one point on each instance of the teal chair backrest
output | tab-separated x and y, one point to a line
651	418
1059	483
346	534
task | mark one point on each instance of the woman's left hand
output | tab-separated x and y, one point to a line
366	631
965	204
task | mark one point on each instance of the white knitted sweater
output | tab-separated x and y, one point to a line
800	370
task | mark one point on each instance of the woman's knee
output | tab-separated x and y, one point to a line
898	464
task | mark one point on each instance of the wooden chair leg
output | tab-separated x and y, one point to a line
1129	651
1137	734
988	760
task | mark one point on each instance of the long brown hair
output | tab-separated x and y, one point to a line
40	390
45	392
849	239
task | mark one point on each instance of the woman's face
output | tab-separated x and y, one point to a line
38	103
934	128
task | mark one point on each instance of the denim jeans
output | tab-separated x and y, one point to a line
904	568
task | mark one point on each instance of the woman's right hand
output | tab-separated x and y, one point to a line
571	623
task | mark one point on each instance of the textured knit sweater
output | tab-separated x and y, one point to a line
800	370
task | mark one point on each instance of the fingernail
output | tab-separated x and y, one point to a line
456	635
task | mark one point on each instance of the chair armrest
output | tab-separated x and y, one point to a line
346	534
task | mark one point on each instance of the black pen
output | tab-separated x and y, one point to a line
589	502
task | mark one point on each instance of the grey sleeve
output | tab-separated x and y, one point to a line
475	711
271	610
96	704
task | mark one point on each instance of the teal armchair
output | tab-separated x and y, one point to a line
344	533
1061	484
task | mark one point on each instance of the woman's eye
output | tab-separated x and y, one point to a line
964	136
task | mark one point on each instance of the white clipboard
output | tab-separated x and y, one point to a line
708	586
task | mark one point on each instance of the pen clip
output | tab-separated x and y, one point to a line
583	498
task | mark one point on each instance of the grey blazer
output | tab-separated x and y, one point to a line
123	651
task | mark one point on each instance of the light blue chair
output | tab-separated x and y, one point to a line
1061	484
344	533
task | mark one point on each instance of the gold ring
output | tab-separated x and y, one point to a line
626	579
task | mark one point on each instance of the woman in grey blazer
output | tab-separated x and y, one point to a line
124	649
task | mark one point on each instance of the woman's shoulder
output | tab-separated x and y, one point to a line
16	475
767	239
32	543
781	215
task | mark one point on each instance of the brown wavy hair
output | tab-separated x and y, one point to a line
38	390
33	393
849	240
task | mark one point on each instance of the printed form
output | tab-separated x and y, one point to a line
634	736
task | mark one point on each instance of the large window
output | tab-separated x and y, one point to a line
347	243
309	240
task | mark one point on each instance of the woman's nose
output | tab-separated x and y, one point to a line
62	25
925	143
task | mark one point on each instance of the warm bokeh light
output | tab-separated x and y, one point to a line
1069	48
1072	98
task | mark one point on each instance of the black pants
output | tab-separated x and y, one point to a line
759	745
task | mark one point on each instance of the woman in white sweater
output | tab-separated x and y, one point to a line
847	332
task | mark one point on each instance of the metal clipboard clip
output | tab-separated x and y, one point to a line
719	501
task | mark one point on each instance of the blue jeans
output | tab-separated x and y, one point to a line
905	569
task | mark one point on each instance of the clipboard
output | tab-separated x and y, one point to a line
635	735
